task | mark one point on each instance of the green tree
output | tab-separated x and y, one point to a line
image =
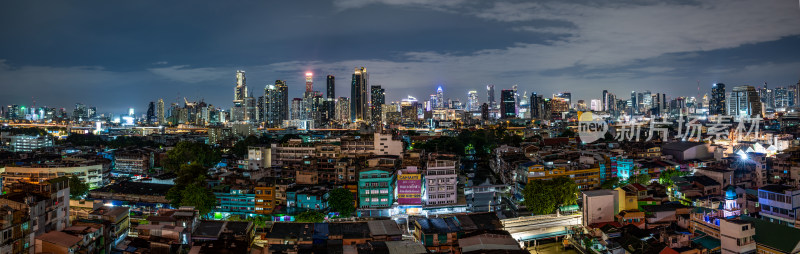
341	200
642	179
188	174
610	183
538	197
310	216
185	152
201	198
77	188
565	190
665	177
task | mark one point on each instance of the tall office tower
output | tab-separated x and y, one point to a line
596	105
508	107
516	97
330	99
297	109
706	101
358	95
276	104
160	116
717	104
378	96
797	94
91	112
490	96
331	87
79	114
343	110
535	105
151	113
282	107
766	96
473	105
260	109
431	103
439	97
250	109
634	103
780	98
524	111
309	82
567	96
744	101
605	100
240	92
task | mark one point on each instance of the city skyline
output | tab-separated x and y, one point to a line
535	49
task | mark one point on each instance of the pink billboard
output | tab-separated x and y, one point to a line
409	189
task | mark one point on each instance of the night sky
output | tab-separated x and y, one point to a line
120	54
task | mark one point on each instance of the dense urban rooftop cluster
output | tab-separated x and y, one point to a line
362	175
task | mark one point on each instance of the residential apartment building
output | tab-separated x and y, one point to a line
780	204
93	172
441	180
376	188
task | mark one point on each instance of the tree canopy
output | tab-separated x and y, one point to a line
77	188
642	179
192	176
198	196
665	177
310	216
544	196
610	183
341	200
185	152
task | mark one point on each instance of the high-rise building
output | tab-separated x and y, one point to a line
797	94
160	115
508	107
744	101
717	104
473	105
634	103
605	100
490	96
596	105
343	110
330	99
297	109
240	92
378	98
309	82
151	113
535	105
276	100
782	98
566	96
358	95
439	98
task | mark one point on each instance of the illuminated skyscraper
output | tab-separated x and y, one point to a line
240	92
439	97
490	96
378	97
718	103
309	82
744	101
358	95
297	109
160	116
508	107
330	99
343	110
472	101
276	100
